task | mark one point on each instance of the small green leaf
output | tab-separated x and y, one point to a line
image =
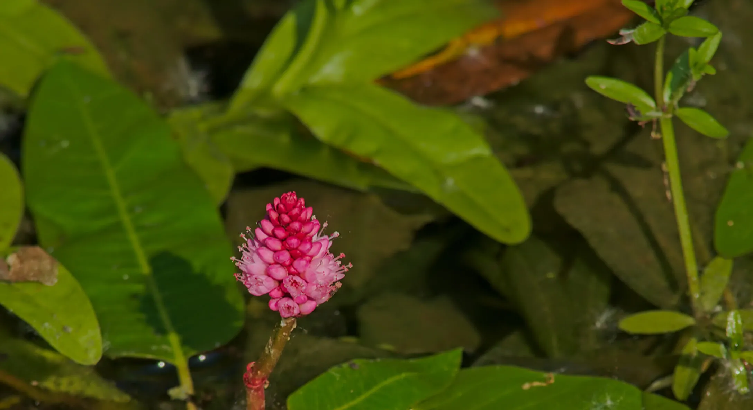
61	314
747	356
430	148
702	122
34	38
11	201
708	48
378	384
642	9
656	322
515	388
622	91
713	281
712	349
647	33
678	79
691	26
688	370
739	376
746	316
684	3
734	329
707	69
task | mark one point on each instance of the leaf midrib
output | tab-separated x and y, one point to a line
376	388
128	226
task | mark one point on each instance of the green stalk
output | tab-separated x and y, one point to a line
675	181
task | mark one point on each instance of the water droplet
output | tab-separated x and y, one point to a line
202	357
161	364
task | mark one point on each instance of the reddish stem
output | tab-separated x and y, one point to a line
257	373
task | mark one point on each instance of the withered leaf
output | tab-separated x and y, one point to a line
29	264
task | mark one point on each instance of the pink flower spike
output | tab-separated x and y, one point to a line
276	293
259	285
293	285
301	299
288	308
273	244
277	272
273	303
307	307
281	256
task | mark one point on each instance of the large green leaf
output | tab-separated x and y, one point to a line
11	201
61	314
733	230
33	38
378	384
51	371
337	41
514	388
432	149
110	194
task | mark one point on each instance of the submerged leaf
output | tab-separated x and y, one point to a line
714	281
688	370
656	322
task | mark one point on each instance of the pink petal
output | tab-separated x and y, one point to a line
276	271
281	256
307	307
276	293
266	254
294	285
259	284
288	308
266	226
273	243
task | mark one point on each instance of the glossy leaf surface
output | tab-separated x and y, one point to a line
378	384
702	122
34	37
139	231
642	9
431	149
622	91
647	33
691	26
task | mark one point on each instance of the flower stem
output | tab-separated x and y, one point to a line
675	181
258	372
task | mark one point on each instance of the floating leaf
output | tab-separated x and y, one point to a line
323	42
714	281
656	322
139	231
432	149
688	370
34	37
733	230
622	91
365	384
61	314
647	33
11	201
691	26
642	9
712	349
54	372
702	122
514	388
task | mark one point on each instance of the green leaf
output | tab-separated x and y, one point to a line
642	9
335	42
656	322
430	148
747	356
11	201
647	33
34	38
622	91
274	142
691	26
739	376
139	231
678	79
61	314
713	281
734	329
52	371
733	226
378	384
702	122
688	370
202	155
712	349
708	48
515	388
746	318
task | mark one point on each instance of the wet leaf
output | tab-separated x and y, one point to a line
54	372
647	33
274	142
330	43
35	37
746	319
156	269
739	376
365	384
691	26
619	235
702	122
512	388
642	9
532	272
712	349
734	329
718	394
733	230
656	322
12	200
409	324
201	154
61	314
30	264
714	281
747	356
688	371
622	91
432	149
